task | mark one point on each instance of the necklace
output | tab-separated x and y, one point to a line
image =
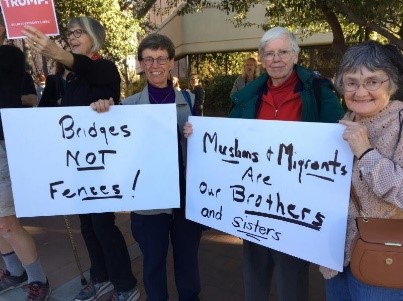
155	101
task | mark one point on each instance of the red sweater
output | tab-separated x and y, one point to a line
281	103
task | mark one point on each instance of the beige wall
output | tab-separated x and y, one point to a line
211	31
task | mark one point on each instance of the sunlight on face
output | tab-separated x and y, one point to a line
363	102
157	74
81	45
279	68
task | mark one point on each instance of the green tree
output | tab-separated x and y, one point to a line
349	20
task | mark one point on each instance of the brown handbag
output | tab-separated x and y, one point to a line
377	256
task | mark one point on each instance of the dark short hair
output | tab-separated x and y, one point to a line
373	56
156	41
93	28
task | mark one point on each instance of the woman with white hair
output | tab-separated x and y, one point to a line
286	91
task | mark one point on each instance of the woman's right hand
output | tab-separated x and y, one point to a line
356	136
41	43
187	129
102	105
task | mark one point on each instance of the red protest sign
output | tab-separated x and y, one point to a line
37	13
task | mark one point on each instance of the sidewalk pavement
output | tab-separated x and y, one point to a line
220	262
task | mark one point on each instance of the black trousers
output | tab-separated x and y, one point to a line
153	233
107	250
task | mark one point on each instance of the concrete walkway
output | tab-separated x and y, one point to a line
220	262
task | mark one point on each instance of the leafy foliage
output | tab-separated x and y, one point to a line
212	64
349	20
217	101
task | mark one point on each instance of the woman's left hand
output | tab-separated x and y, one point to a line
187	129
102	105
41	43
357	137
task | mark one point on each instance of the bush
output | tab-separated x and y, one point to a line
217	100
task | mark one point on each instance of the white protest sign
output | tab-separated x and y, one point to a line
284	185
73	160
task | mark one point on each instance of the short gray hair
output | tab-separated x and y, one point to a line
275	33
93	28
371	55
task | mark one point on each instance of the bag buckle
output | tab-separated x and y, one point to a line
393	244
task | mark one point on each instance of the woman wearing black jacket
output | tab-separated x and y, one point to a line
92	78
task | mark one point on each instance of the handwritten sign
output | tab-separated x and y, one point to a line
73	160
37	13
284	185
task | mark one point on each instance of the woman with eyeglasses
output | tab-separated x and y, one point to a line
153	229
289	92
92	78
367	77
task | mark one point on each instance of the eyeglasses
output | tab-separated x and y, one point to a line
193	78
161	60
76	33
282	54
371	84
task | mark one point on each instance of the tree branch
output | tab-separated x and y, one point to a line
339	41
373	26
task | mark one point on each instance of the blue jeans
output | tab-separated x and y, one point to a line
259	262
345	287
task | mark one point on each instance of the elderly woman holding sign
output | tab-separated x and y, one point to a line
152	229
367	77
92	78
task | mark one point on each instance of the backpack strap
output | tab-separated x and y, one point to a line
188	100
317	83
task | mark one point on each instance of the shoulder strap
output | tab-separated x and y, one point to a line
316	92
356	201
188	100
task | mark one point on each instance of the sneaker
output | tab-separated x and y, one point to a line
92	291
38	291
8	282
132	295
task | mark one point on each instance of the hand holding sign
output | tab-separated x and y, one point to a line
40	42
102	105
187	129
356	135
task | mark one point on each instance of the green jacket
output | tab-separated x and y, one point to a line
246	102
